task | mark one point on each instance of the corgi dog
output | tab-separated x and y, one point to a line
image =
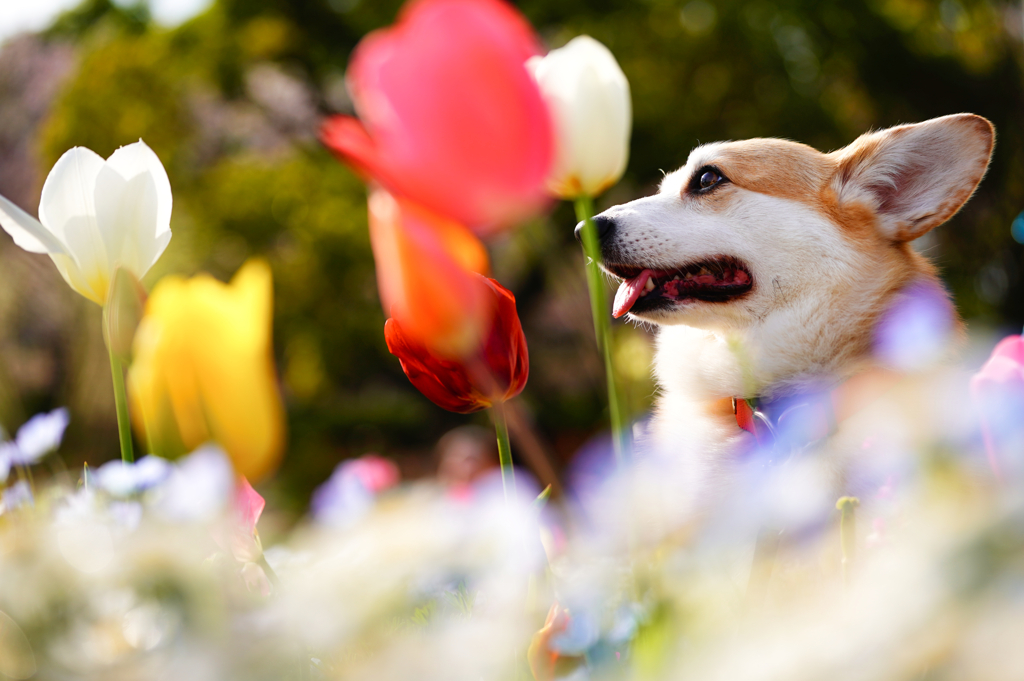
769	267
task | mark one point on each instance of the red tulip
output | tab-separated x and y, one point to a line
428	275
998	392
496	372
449	115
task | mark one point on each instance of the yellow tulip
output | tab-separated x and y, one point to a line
203	369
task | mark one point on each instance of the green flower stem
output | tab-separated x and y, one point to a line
847	507
124	426
508	476
268	571
602	325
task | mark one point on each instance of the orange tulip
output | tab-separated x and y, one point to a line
428	275
496	371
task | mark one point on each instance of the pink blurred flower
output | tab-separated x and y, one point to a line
375	472
998	393
449	114
241	539
248	508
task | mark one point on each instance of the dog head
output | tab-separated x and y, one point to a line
746	229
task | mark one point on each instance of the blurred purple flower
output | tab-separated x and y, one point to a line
914	331
998	394
39	436
351	490
198	488
17	495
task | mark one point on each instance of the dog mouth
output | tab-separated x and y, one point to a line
714	280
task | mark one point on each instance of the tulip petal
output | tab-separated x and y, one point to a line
137	159
452	118
427	274
86	271
133	207
72	274
68	209
248	504
496	371
69	197
347	137
27	232
444	382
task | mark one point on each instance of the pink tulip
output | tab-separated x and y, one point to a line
998	392
449	115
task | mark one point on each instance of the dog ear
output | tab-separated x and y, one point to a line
918	176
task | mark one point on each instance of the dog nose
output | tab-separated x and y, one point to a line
604	226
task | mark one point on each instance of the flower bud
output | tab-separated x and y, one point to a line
588	96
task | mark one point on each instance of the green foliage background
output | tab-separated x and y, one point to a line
250	181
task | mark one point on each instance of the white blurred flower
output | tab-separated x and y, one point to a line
39	436
589	99
96	216
120	479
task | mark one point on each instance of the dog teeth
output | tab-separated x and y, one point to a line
704	270
689	276
649	286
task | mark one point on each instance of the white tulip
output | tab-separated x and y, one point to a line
96	216
589	99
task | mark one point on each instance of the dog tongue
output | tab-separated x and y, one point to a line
629	291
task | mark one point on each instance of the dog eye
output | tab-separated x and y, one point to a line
705	179
709	178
